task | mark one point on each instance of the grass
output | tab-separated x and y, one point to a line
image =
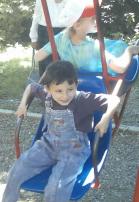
13	78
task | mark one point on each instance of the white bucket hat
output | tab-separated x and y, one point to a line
72	11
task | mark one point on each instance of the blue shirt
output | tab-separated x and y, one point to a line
86	54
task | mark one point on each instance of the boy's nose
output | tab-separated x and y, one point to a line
65	96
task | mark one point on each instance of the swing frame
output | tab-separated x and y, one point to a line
107	80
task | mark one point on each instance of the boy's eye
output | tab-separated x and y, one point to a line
70	89
58	91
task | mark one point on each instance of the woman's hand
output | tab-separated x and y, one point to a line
35	45
133	50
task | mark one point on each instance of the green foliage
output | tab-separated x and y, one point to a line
15	18
13	77
119	18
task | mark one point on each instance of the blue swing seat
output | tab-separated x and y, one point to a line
87	82
130	76
86	178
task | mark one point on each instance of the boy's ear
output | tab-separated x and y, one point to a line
76	25
46	88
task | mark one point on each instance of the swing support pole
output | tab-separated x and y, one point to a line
49	30
107	81
136	192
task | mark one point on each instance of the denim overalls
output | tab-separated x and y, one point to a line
61	146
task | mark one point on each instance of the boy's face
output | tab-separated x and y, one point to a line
62	93
88	25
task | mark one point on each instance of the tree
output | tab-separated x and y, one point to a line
119	17
15	18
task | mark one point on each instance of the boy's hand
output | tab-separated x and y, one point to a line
102	125
21	110
133	50
58	1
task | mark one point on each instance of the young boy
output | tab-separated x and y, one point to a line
83	52
62	13
65	144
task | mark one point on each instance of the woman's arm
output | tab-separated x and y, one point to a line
35	21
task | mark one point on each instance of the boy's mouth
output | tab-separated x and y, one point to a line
65	102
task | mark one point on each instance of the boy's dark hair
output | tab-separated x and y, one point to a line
58	72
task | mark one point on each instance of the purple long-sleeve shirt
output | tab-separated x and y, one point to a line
83	105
